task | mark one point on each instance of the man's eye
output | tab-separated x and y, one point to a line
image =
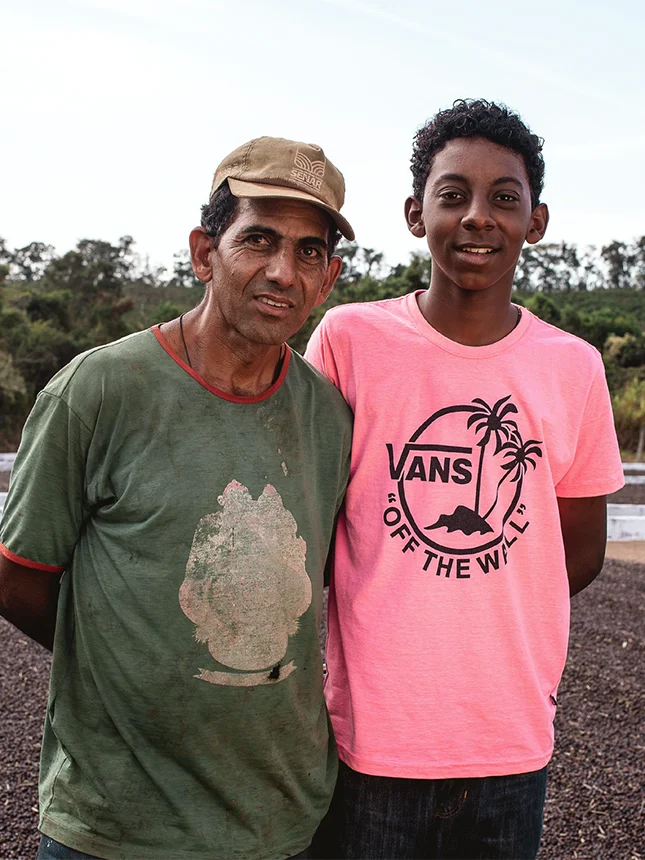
311	252
257	239
451	195
507	198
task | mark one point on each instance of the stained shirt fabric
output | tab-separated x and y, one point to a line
186	719
449	602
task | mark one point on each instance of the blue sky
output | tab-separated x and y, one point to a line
116	112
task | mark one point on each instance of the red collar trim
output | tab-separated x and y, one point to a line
224	395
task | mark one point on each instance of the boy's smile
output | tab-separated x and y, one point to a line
476	214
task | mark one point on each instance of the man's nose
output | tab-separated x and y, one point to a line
281	268
479	215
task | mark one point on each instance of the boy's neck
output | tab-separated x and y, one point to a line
468	317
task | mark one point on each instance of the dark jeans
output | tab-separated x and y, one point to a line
51	850
382	818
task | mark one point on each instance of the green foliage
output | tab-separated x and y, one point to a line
543	307
627	350
629	414
13	396
12	385
53	307
166	311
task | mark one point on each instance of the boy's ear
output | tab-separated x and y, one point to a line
538	225
414	217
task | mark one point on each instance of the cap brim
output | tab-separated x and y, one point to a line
239	188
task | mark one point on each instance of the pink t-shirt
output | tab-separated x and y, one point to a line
449	603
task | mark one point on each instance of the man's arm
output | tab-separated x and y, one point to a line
584	532
28	599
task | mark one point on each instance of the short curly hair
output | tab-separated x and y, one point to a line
220	212
477	118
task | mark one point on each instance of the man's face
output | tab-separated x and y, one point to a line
269	269
476	214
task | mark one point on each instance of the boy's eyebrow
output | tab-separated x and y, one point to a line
504	179
459	177
451	177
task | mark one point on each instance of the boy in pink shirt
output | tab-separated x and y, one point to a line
483	449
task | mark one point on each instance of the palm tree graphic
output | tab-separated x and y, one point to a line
493	422
518	455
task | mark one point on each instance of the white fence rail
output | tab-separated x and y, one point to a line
624	522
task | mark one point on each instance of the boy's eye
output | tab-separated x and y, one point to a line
451	195
507	198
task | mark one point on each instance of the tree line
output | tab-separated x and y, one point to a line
54	306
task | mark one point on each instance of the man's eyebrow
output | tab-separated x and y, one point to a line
313	240
260	228
269	231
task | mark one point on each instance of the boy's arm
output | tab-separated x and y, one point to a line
584	532
28	599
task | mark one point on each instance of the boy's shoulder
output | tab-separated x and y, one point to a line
378	308
561	344
355	318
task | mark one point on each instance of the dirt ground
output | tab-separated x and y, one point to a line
631	494
595	807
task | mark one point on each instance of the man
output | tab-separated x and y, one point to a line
185	481
484	448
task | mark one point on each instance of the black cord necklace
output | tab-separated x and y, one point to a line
278	367
183	339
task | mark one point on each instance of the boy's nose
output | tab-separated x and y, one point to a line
479	216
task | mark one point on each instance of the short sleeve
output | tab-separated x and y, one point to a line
44	511
596	469
320	354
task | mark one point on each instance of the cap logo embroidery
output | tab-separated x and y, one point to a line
308	172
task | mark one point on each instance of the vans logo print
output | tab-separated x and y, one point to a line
307	171
460	505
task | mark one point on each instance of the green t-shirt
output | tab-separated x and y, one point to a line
186	718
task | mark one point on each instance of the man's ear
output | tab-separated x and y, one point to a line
414	217
201	246
334	268
538	225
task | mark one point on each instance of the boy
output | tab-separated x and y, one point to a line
483	449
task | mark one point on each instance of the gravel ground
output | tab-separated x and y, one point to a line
631	494
595	806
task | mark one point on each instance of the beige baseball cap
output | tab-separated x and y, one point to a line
275	167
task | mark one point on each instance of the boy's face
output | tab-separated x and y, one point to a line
476	214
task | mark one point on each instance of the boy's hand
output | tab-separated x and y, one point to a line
584	531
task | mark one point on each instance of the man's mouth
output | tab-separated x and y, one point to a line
274	303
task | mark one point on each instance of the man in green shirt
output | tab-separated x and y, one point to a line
184	481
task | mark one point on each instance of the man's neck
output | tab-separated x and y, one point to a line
468	317
223	359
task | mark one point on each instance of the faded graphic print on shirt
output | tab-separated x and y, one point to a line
246	586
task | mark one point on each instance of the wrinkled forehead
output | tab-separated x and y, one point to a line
292	218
